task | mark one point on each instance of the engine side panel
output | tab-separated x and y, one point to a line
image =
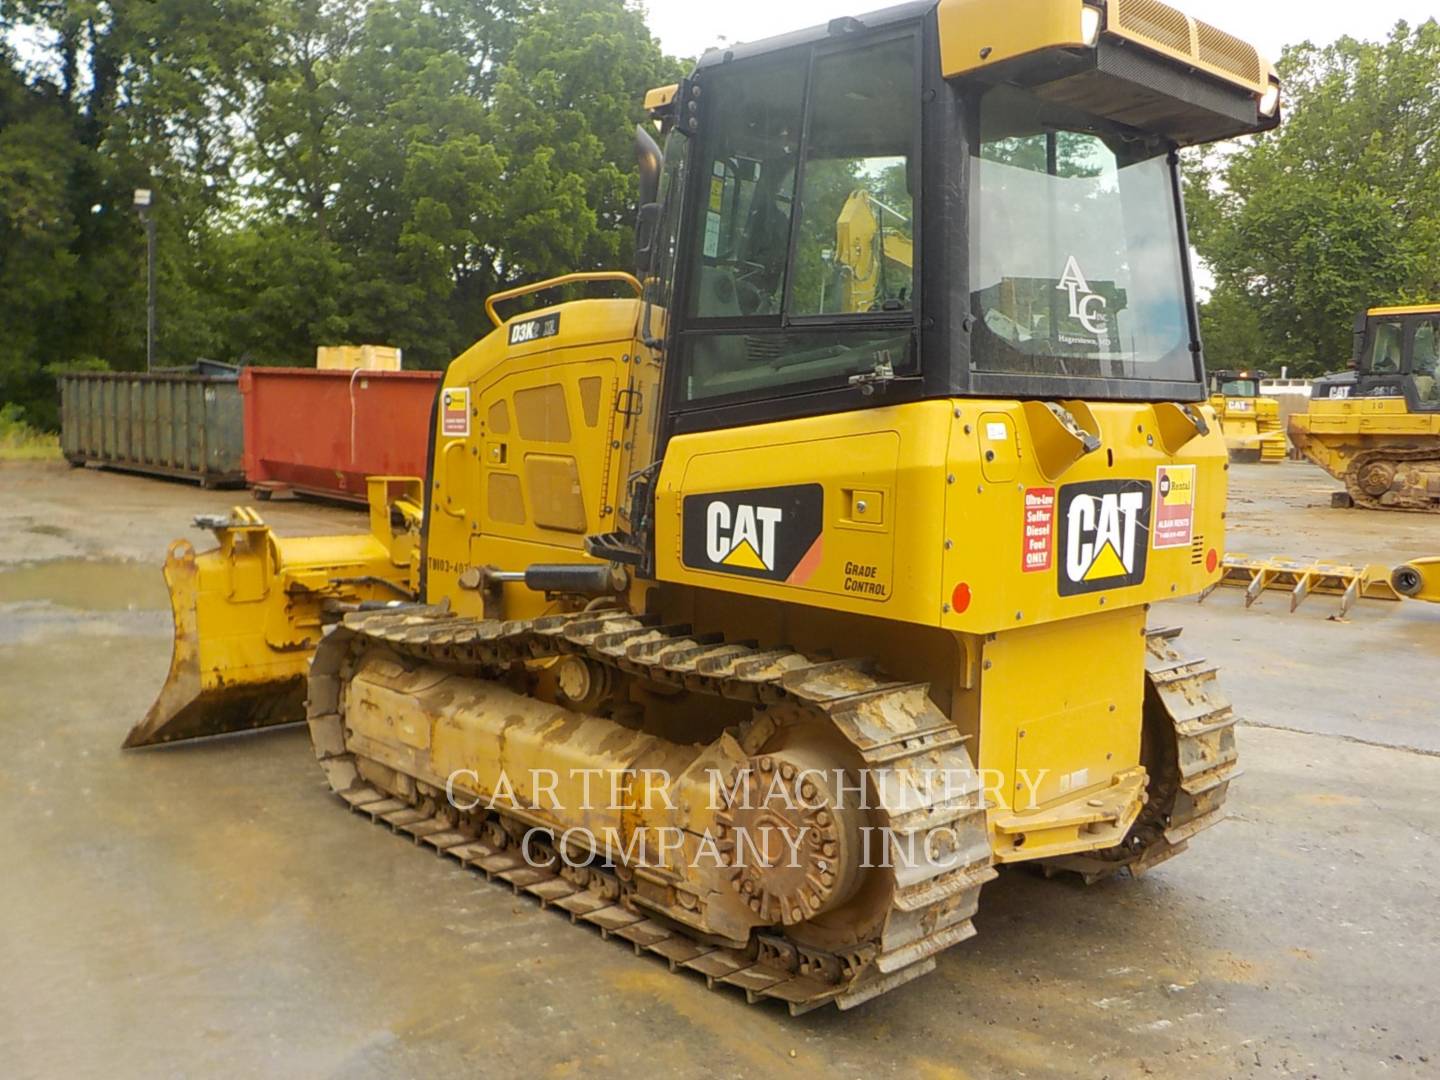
964	514
527	448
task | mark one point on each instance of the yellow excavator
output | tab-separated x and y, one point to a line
756	634
1376	427
1249	421
873	248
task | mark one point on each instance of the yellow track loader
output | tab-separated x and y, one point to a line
1250	422
1376	427
759	634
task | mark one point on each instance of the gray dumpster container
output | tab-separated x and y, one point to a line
184	422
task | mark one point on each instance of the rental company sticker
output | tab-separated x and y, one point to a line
455	412
1039	552
1175	512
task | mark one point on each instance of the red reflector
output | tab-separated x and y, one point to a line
1212	560
960	598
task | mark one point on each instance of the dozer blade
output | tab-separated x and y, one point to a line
210	689
249	614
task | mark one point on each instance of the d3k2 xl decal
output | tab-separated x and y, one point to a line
1104	535
771	533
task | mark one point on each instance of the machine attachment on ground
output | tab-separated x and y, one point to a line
1417	580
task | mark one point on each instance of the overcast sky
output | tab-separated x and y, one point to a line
688	27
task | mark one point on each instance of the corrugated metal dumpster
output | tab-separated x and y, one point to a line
324	432
183	422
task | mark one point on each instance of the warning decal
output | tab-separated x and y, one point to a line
1039	550
455	412
1175	509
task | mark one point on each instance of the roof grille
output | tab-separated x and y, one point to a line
1159	22
1161	26
1229	53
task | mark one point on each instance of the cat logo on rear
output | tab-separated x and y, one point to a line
772	533
1104	534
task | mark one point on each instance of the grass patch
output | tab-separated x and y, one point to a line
21	442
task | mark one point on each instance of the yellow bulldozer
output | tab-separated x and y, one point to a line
759	634
1249	421
1376	427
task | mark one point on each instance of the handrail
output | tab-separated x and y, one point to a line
556	282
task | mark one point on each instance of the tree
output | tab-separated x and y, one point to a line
37	233
566	105
325	171
1337	210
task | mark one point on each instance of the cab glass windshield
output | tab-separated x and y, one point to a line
1075	248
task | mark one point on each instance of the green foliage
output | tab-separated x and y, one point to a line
19	441
1337	211
325	171
1233	334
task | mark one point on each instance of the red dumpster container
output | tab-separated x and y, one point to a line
324	432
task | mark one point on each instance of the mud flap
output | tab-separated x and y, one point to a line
216	698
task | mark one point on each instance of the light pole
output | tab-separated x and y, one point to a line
143	201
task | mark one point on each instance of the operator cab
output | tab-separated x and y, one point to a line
935	201
1236	384
1397	355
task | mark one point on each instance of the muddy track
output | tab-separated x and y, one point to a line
1407	499
902	738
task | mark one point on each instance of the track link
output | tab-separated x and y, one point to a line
1408	498
1189	748
903	739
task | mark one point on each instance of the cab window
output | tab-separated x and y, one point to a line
1425	361
803	272
1076	263
1387	342
855	249
742	221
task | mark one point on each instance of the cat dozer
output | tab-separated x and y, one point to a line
1377	426
757	627
1249	421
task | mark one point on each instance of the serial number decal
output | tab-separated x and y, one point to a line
447	566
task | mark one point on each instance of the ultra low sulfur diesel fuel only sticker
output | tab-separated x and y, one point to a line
1039	539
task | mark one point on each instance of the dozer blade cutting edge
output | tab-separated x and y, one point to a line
249	614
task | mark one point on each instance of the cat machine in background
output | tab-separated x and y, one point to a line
1376	427
1249	420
